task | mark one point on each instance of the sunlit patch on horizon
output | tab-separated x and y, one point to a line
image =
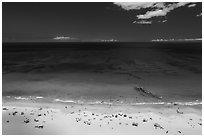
108	40
61	38
187	39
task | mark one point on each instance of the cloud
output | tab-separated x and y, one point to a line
147	22
154	9
192	5
134	5
150	14
162	21
198	15
143	22
161	12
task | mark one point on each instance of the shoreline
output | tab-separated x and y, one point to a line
89	86
99	101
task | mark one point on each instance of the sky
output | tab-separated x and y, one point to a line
100	21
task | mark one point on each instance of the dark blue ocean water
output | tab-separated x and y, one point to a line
169	69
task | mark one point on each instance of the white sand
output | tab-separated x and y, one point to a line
62	119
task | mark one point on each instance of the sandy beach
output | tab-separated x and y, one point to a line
31	117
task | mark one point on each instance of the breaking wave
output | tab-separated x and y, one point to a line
26	98
137	103
191	103
21	98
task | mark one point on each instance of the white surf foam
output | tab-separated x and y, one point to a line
21	98
191	103
39	97
65	101
139	103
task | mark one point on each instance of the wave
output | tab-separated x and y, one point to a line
65	101
21	98
25	98
190	103
137	103
39	97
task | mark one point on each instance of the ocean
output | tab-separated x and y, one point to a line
121	72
